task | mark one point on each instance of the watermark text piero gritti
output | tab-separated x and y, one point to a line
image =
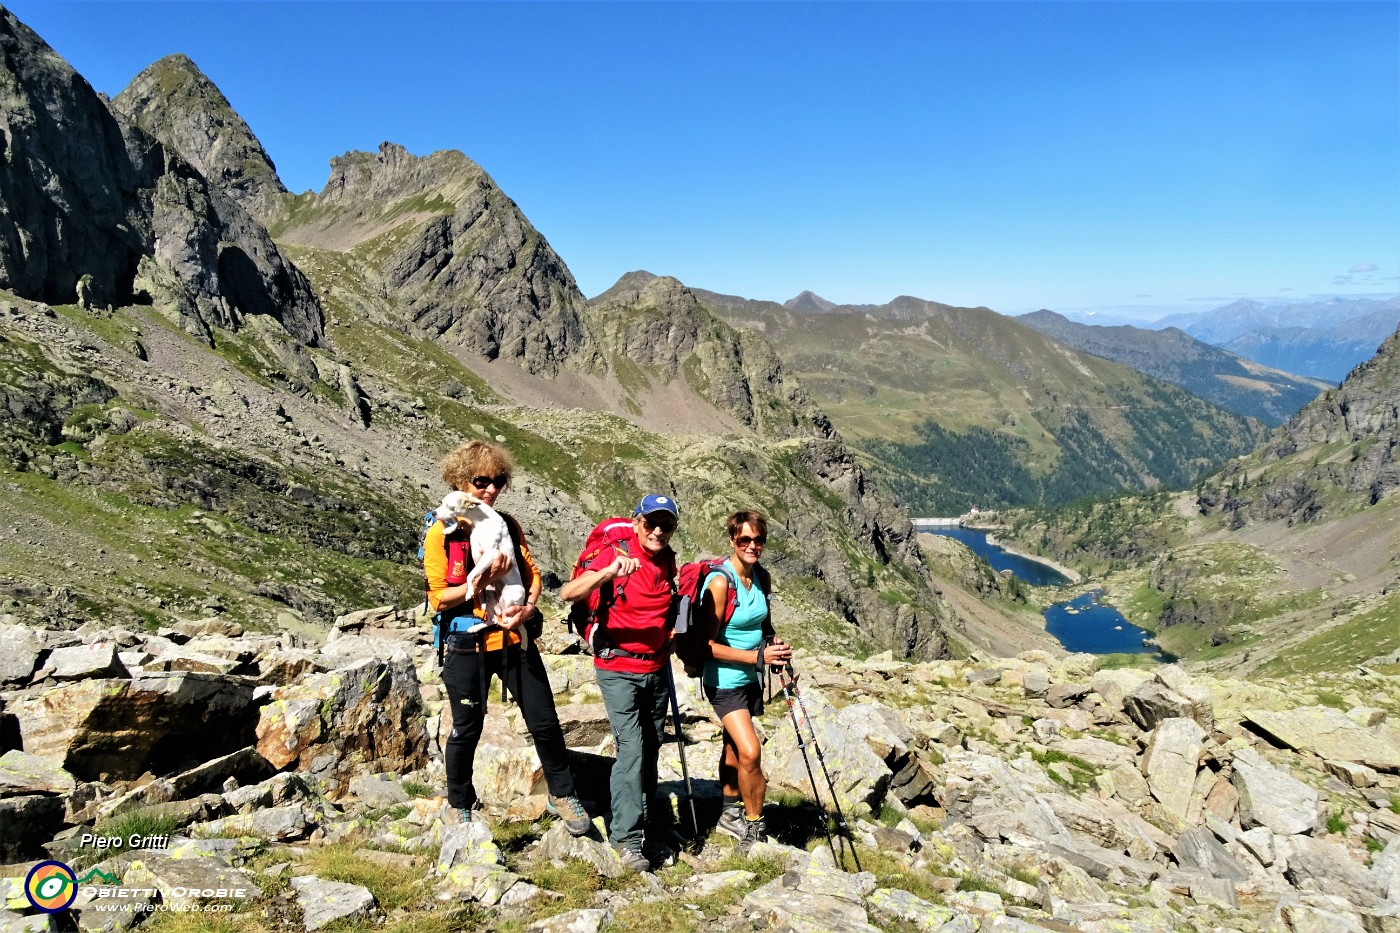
134	841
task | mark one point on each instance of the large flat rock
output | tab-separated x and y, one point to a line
1327	733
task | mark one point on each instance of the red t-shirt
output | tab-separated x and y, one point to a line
638	617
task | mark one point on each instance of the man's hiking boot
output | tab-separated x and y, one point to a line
755	831
571	813
731	821
633	859
472	814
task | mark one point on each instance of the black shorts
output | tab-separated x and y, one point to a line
726	700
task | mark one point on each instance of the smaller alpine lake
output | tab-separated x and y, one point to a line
1080	624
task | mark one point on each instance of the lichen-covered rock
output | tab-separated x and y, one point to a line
1327	733
1268	797
80	662
323	902
163	723
20	647
22	773
1170	762
859	777
366	716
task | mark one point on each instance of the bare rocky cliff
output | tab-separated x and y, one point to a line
96	211
174	102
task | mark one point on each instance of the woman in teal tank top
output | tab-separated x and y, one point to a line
737	650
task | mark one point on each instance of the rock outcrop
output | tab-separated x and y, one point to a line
88	198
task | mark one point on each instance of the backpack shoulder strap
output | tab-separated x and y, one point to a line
517	536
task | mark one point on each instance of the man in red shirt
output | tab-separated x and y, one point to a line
631	590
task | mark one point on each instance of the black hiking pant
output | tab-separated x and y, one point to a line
467	677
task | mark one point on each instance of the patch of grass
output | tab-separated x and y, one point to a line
1335	822
1082	773
1327	698
139	824
663	916
577	882
512	837
890	872
392	886
181	921
417	789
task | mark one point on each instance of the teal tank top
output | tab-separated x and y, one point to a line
744	631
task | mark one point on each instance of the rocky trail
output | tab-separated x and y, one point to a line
300	784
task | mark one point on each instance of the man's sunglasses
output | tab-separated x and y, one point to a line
662	522
481	482
746	540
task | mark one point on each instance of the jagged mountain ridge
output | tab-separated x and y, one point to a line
961	406
94	202
386	391
1226	379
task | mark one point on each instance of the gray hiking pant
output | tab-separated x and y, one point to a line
636	705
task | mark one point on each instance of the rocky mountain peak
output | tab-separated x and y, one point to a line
89	199
809	302
176	103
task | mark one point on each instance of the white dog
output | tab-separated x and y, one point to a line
490	536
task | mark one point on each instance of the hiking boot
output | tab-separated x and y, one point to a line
731	821
472	814
755	831
633	859
571	813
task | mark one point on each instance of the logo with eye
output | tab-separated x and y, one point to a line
51	887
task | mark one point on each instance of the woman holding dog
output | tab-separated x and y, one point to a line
469	659
736	604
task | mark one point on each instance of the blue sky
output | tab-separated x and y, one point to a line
1135	157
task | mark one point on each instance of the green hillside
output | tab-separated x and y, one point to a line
956	407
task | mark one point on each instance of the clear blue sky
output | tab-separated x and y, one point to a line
1139	155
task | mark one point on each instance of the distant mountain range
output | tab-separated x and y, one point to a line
1230	380
958	407
1326	339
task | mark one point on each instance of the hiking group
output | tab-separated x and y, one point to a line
634	607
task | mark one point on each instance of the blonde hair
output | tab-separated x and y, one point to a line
474	458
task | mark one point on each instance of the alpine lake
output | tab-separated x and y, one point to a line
1080	624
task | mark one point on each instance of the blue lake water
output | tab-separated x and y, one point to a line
1085	624
1082	623
1031	571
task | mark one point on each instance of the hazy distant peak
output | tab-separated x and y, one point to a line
809	303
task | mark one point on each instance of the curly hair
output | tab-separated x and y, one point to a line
474	458
736	522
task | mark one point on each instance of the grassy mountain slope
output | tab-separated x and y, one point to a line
1233	382
962	406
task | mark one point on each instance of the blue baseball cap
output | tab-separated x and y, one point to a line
654	503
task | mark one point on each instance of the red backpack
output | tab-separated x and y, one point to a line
611	533
692	635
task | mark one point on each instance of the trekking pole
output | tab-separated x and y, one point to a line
680	747
788	691
835	798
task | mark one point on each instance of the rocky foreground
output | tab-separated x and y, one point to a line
301	785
